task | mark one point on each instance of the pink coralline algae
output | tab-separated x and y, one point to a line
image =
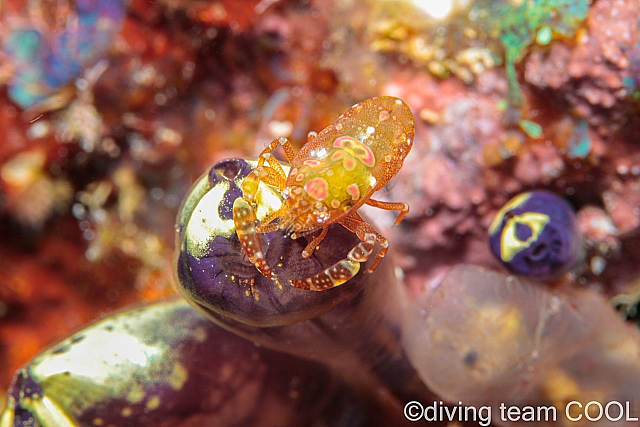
598	76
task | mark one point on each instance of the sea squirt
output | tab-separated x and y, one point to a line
167	365
354	327
537	234
485	338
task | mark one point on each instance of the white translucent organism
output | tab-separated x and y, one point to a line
484	338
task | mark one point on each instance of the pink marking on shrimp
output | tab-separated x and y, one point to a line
348	161
317	188
353	191
312	163
357	149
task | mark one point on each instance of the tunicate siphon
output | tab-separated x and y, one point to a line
166	365
354	327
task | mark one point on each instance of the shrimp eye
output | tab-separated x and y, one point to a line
537	234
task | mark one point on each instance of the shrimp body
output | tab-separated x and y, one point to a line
335	173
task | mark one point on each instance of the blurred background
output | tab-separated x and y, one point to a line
109	110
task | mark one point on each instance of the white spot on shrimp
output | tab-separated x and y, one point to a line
322	217
370	130
372	181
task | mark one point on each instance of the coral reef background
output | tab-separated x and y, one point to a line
108	113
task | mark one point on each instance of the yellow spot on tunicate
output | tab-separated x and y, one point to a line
98	422
178	376
505	323
510	244
153	403
126	411
512	204
136	394
7	418
559	386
